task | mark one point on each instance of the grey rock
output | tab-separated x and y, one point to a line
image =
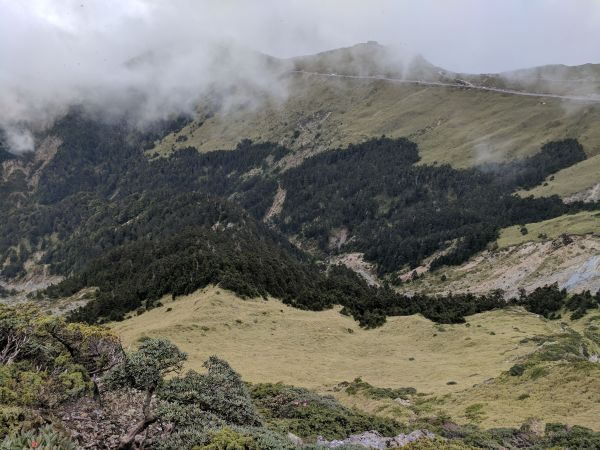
374	440
295	439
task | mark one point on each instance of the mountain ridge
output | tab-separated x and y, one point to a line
326	112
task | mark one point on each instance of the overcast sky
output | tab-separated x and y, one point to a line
460	35
54	53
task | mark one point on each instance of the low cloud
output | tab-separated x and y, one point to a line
153	58
19	139
147	62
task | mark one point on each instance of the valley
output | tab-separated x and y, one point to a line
380	245
454	366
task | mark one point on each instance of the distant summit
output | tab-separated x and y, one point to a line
370	59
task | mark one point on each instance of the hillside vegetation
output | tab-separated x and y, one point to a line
398	213
451	125
569	181
138	229
564	250
455	125
582	223
70	386
269	341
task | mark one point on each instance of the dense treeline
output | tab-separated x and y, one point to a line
151	216
4	155
137	228
142	271
95	156
100	179
250	264
532	170
138	274
550	300
400	213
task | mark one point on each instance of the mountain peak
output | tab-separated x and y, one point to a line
369	59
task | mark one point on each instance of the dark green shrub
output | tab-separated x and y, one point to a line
267	439
438	444
546	300
517	370
46	361
359	386
306	414
538	372
220	392
475	412
14	418
576	437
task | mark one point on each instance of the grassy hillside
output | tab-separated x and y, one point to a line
556	78
582	223
557	393
51	399
459	126
268	341
553	393
569	181
453	125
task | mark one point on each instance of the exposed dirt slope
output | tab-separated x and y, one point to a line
573	265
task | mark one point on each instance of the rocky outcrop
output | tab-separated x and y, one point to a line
356	262
571	261
591	194
372	439
277	205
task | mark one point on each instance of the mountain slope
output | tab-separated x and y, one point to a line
451	125
370	59
579	182
452	366
188	230
454	125
137	229
381	199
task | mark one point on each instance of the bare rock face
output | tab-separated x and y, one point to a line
534	426
588	195
374	440
402	401
295	439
